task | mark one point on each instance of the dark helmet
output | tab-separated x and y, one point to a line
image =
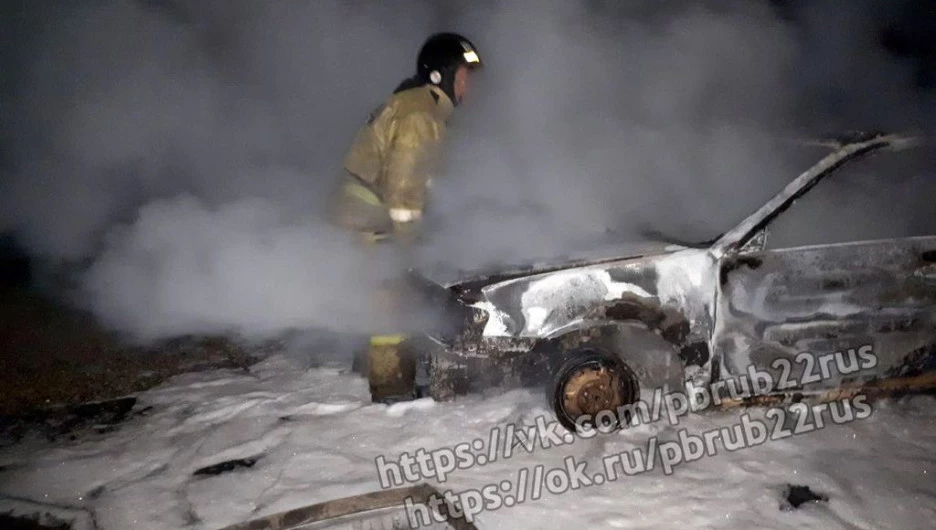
440	57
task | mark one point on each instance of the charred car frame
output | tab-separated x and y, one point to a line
719	307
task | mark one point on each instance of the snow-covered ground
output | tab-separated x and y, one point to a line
318	436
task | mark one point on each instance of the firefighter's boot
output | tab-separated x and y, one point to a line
391	370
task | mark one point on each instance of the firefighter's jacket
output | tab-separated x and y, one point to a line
392	159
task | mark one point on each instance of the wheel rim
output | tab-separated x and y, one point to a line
591	389
594	387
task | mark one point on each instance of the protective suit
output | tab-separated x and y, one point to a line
387	172
392	160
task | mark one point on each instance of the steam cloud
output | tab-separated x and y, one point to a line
180	154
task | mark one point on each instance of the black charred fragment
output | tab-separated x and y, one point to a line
677	332
695	354
750	262
928	256
227	466
795	496
916	363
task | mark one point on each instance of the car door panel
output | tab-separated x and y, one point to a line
877	295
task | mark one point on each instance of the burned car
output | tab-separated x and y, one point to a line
718	308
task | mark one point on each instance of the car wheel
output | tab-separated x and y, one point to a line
591	385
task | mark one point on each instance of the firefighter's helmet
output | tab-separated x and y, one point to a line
440	57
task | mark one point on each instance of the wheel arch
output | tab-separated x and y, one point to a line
669	323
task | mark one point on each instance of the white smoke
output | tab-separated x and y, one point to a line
184	151
194	269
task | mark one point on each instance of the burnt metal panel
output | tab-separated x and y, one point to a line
827	299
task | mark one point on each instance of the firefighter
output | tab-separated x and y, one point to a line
387	173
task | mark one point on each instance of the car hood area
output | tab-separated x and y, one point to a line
470	279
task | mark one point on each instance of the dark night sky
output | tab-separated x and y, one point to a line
908	33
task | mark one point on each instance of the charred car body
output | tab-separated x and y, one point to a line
720	308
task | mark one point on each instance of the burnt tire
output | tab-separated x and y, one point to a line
589	382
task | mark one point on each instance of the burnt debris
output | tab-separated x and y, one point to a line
227	466
72	421
795	496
